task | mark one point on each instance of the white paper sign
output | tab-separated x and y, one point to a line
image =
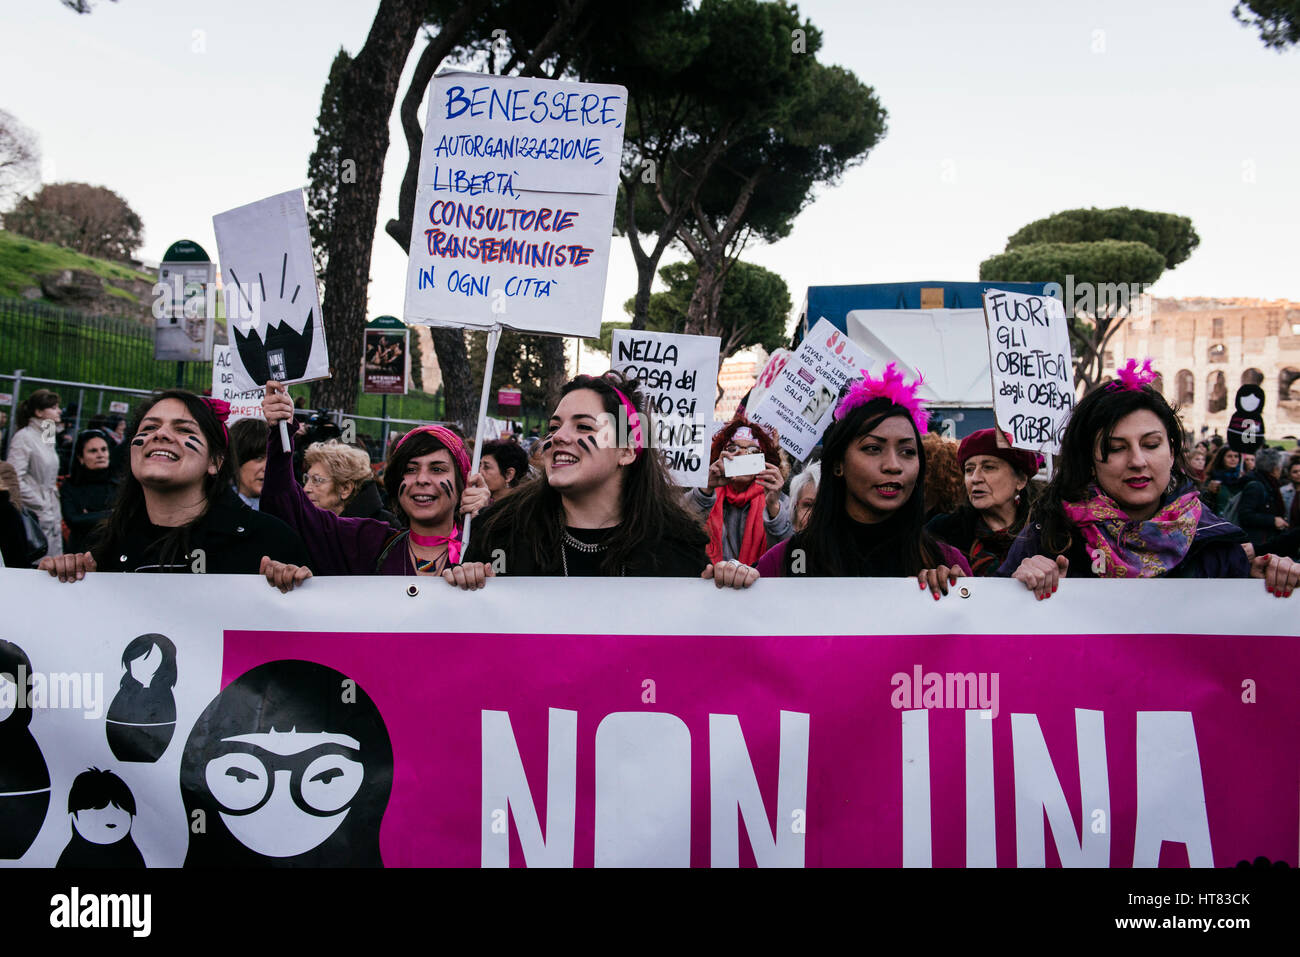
269	288
801	402
243	405
1033	375
679	375
514	209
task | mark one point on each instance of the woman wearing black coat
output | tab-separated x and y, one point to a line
87	496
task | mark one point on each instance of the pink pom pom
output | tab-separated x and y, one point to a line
1135	377
889	386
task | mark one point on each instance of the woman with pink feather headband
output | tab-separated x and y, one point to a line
1121	504
429	488
868	517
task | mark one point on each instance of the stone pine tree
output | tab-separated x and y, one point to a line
1278	21
326	170
1104	256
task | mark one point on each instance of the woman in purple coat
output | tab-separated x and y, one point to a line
428	484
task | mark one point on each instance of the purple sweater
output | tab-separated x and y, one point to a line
338	546
772	564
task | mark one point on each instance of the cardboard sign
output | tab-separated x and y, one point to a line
385	359
510	397
802	401
246	404
679	376
515	204
269	289
1033	375
524	729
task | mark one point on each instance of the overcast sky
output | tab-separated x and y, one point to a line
999	113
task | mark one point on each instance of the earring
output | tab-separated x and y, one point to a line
1017	498
839	471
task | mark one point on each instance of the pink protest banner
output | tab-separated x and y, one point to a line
665	723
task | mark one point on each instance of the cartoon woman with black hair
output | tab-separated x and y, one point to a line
142	718
291	766
24	778
102	810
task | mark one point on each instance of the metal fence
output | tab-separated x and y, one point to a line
55	343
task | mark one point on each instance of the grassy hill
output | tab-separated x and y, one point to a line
23	263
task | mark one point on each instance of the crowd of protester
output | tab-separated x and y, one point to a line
882	496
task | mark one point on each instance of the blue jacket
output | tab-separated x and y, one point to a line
1215	552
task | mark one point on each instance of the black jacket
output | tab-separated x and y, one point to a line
232	537
1261	503
368	504
13	536
84	506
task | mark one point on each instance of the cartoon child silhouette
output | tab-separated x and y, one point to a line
292	766
24	778
102	810
142	718
1246	427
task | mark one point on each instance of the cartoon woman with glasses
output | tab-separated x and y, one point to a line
291	766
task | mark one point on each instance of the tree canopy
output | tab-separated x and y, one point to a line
1278	21
92	220
1102	259
755	306
20	159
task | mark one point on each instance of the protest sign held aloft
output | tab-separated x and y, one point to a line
515	204
243	405
269	287
801	400
1033	377
679	375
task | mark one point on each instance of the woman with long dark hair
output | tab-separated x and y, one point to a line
997	476
176	510
868	517
1121	504
87	496
601	506
429	488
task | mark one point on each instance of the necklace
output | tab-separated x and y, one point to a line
429	567
587	548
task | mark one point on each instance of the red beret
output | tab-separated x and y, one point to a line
985	442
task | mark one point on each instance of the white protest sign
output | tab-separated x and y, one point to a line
119	408
679	376
514	209
1033	376
269	284
243	405
801	401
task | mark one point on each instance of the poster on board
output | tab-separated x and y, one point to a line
386	357
269	289
679	377
183	319
1033	375
246	404
801	400
514	207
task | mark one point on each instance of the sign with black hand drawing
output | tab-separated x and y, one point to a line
1033	375
514	207
269	283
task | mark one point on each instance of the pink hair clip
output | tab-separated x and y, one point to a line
889	386
1133	376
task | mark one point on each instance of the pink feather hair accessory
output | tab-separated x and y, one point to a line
889	386
1133	376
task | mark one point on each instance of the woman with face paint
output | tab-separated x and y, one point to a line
176	510
868	517
429	488
600	507
1121	505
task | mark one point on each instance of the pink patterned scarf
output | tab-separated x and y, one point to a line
1130	548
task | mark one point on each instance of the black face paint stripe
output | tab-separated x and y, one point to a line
446	487
192	444
138	440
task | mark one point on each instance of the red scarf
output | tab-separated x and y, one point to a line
754	543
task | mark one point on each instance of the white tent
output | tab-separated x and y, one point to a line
949	347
